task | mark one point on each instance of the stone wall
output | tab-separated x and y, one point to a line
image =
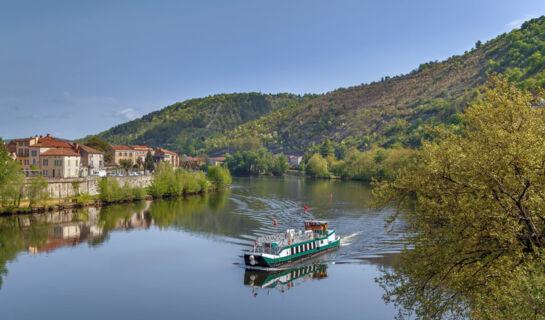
61	188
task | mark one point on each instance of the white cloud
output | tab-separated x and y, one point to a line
128	114
518	22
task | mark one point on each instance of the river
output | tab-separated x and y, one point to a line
182	258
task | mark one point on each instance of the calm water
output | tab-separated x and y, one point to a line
182	259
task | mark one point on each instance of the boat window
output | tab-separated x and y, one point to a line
292	251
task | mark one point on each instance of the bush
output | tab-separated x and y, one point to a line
317	166
139	193
219	176
36	191
111	191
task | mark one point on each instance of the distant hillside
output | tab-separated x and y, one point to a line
185	126
394	111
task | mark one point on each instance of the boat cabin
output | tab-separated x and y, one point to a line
316	226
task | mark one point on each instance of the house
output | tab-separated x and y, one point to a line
294	160
123	153
60	163
140	152
217	161
91	159
192	163
164	155
22	152
44	144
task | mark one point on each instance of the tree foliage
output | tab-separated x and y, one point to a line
476	209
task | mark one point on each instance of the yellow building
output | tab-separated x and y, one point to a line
22	152
123	153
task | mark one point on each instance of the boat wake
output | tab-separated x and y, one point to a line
347	240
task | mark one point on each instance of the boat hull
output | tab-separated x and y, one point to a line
262	262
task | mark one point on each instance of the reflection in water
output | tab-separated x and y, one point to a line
283	279
46	232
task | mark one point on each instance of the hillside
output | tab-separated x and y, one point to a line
185	126
394	111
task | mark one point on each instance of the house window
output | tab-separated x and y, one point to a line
20	143
26	162
26	152
100	163
34	153
45	163
130	154
68	163
58	163
121	154
44	173
33	161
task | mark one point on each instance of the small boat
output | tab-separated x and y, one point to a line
287	247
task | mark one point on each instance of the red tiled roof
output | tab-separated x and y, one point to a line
218	158
121	148
89	149
140	147
166	151
52	142
60	152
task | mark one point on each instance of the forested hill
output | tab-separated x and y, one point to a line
186	126
393	112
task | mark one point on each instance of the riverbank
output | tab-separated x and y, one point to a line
95	201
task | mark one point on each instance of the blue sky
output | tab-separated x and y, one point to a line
73	68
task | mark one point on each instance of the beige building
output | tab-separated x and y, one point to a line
22	152
44	144
92	160
123	153
140	152
164	155
60	163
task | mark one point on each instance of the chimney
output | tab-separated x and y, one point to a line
76	146
48	135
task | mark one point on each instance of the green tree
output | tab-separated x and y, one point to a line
126	164
148	162
475	207
326	149
317	166
279	165
36	191
219	177
11	179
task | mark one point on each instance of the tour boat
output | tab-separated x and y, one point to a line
282	248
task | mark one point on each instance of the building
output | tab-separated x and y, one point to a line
123	153
22	150
140	152
192	163
44	144
60	163
12	149
164	155
217	161
294	160
91	159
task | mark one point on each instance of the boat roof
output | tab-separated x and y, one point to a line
315	221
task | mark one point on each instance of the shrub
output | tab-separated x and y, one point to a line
139	193
219	176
